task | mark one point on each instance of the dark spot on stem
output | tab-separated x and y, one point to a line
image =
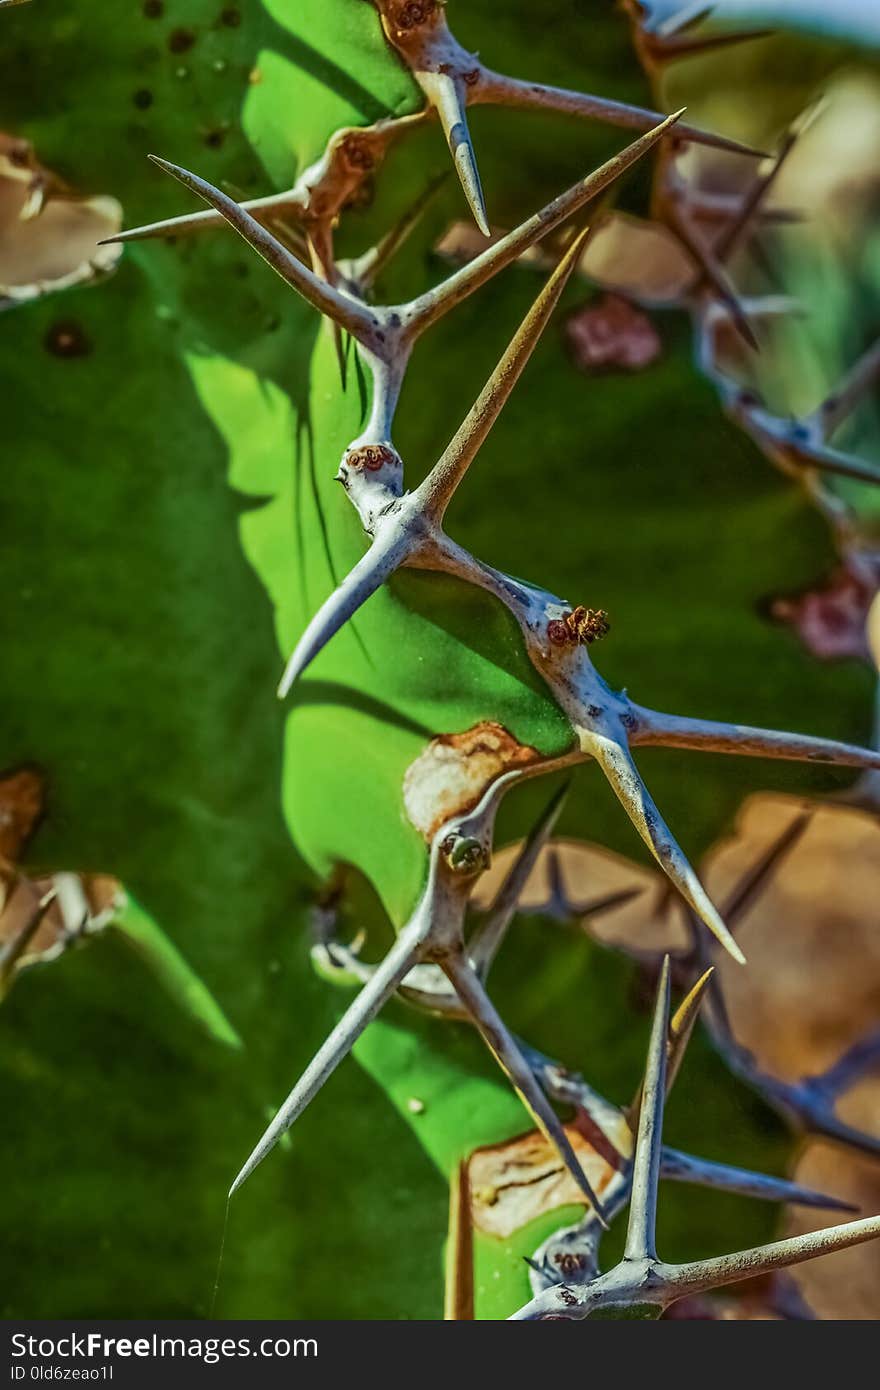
66	338
181	40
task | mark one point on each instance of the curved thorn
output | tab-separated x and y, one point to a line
404	954
339	307
500	90
702	1172
429	307
711	736
486	941
444	94
503	1046
746	1264
435	493
641	1237
617	764
369	574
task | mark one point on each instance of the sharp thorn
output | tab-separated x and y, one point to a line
444	95
436	492
730	236
369	574
403	955
486	941
626	781
504	1048
682	1025
680	1029
341	308
168	227
747	1264
641	1240
500	90
708	735
702	1172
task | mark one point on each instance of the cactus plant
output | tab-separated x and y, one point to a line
188	420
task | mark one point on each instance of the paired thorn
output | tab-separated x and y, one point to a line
451	79
342	308
642	1277
409	530
641	1236
679	1035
